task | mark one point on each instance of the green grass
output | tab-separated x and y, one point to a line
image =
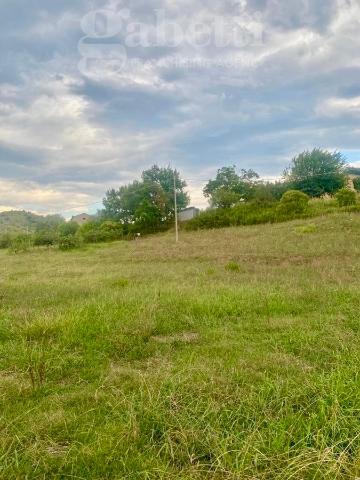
150	360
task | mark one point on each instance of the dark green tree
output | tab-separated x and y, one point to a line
142	205
164	176
229	187
317	172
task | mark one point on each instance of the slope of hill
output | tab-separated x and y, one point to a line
18	221
231	355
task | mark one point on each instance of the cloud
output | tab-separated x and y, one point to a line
43	199
66	137
337	107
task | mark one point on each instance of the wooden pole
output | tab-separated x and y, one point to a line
176	212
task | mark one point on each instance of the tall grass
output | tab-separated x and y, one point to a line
150	360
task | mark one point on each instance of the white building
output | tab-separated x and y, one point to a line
188	214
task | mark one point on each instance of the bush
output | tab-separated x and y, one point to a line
253	214
5	240
293	202
20	243
217	218
68	228
246	214
266	193
93	232
112	230
45	238
69	242
346	197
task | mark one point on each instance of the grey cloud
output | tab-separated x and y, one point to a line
68	133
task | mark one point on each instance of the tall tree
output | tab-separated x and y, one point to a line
229	187
164	176
147	204
316	172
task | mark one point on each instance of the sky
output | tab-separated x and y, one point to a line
94	92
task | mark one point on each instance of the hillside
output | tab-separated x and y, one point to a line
232	355
18	221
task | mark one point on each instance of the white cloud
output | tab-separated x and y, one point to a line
254	106
37	198
336	107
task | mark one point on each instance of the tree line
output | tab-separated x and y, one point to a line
147	205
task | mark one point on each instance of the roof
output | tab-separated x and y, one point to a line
189	208
86	215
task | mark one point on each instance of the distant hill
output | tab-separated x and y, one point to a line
353	171
20	221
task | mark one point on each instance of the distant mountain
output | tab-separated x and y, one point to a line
20	221
353	171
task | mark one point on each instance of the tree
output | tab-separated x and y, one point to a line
228	187
316	172
165	178
224	198
146	205
152	210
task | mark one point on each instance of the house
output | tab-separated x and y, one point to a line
188	214
82	218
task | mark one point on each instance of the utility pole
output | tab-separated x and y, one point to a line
176	212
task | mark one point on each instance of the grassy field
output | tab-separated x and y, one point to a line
233	355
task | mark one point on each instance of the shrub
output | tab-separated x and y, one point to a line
69	242
89	232
93	232
68	228
20	243
5	240
45	238
252	214
267	193
217	218
113	230
346	197
293	202
245	214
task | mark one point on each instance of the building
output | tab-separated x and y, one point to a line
82	218
188	214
